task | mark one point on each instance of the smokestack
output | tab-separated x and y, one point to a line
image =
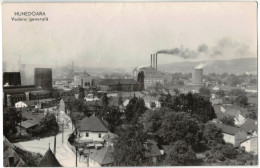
156	60
151	60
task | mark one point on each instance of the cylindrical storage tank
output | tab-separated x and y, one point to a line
197	75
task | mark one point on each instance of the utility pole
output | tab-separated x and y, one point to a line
21	122
62	131
54	145
76	156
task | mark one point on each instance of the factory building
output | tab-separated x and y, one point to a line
43	78
126	85
11	79
14	94
83	79
151	74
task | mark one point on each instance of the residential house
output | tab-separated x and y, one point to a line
233	111
232	135
42	103
152	151
110	139
150	99
28	126
91	129
102	158
49	160
10	157
250	126
250	145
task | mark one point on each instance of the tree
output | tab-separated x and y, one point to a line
140	79
228	120
135	108
221	93
130	149
105	100
229	151
179	126
113	118
204	91
11	118
241	100
81	93
213	135
193	104
180	154
47	124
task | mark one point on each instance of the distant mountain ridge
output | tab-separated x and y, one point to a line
236	66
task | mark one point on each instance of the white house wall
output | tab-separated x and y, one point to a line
229	138
92	136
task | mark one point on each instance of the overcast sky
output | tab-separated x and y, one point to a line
123	35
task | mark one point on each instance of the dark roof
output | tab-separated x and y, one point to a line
29	123
249	125
104	155
109	137
9	151
152	149
20	89
108	82
68	98
49	160
228	129
93	124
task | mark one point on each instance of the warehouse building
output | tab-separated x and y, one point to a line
43	78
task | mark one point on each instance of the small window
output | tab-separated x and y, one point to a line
87	134
99	135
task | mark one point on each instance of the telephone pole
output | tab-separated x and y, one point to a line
76	156
54	145
62	131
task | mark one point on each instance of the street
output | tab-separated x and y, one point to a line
64	154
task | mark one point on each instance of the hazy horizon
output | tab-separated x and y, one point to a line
124	35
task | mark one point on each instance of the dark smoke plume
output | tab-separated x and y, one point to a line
183	53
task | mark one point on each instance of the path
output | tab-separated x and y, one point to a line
64	154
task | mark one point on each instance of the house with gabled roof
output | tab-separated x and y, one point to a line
10	157
250	145
91	129
232	135
49	160
251	127
102	158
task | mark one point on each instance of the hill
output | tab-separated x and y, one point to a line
236	66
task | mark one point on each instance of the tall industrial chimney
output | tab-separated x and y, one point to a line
151	60
156	60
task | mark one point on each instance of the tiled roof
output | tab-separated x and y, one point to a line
152	149
103	156
228	129
93	124
49	160
249	125
108	82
